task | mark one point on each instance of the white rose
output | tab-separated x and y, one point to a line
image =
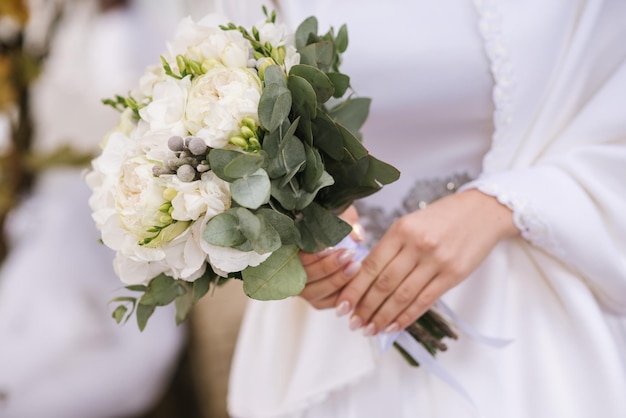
167	109
219	100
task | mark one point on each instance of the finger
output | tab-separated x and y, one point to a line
422	302
322	289
371	267
385	284
404	296
308	258
326	303
328	265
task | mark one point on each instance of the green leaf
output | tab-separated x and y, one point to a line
252	191
341	41
382	172
313	168
278	277
352	145
283	224
219	159
293	156
304	30
320	82
119	313
292	197
243	165
274	106
320	229
183	306
162	290
201	286
144	312
223	230
327	136
341	82
261	235
275	75
320	54
352	113
304	97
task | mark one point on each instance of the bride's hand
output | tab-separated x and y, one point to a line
329	271
423	255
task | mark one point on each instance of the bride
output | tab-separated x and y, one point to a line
506	120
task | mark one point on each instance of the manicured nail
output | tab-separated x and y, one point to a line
358	231
343	308
352	269
355	323
392	329
345	256
325	252
369	330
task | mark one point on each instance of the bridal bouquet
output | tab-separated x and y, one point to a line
234	154
231	156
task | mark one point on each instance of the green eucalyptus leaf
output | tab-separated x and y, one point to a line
271	142
137	288
219	159
183	306
274	106
274	75
283	224
352	113
245	247
144	312
244	165
293	157
320	229
201	286
341	82
320	82
304	97
223	230
119	313
252	191
319	54
327	136
313	169
278	277
305	198
382	172
291	130
304	30
261	235
352	145
287	196
341	41
162	290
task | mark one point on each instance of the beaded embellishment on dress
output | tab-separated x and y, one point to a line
376	220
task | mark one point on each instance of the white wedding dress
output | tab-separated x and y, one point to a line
526	98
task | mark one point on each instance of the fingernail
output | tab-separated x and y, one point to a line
345	256
343	308
392	329
352	269
358	231
369	330
355	323
325	252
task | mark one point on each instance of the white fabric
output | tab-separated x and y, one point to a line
530	97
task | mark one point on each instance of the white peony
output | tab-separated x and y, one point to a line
204	41
208	196
166	111
219	100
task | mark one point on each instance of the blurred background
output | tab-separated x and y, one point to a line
61	353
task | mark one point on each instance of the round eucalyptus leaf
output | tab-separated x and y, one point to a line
223	230
252	191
